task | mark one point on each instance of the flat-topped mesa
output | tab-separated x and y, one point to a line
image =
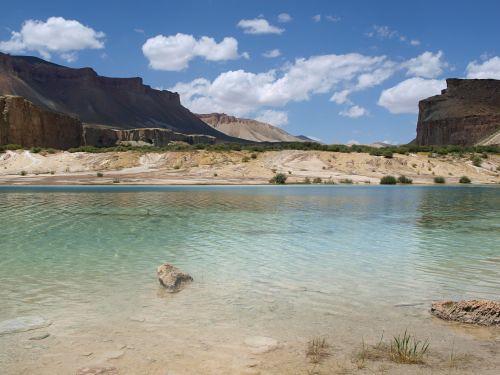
120	103
29	125
25	124
466	113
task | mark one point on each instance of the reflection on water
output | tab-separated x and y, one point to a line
255	252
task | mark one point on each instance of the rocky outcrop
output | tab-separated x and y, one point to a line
481	312
251	130
171	278
123	103
105	137
25	124
466	113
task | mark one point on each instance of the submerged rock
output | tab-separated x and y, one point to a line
261	344
172	278
22	324
481	312
97	371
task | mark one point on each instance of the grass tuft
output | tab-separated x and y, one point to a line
317	349
406	348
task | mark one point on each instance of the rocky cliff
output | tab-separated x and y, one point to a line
104	137
251	130
23	123
466	113
124	103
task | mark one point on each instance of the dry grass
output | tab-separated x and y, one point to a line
317	349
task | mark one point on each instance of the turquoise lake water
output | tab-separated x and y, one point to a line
256	253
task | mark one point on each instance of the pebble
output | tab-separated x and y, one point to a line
114	355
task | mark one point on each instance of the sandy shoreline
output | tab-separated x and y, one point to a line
234	168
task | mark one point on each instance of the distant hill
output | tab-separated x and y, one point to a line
248	129
123	103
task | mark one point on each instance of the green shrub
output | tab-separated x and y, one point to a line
307	180
253	155
439	180
116	180
278	179
477	161
100	174
23	173
387	154
36	150
388	180
12	146
245	159
317	180
464	180
404	180
345	181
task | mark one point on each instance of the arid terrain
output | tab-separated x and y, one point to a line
235	167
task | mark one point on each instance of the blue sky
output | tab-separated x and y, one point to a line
345	71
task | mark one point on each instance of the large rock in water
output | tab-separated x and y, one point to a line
123	103
171	278
481	312
466	113
25	124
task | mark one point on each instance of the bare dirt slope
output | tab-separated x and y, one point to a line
251	130
234	167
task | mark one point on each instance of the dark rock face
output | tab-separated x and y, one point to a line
104	137
171	278
124	103
25	124
481	312
466	113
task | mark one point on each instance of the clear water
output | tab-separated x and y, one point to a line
282	259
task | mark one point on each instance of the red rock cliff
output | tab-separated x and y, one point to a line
466	113
25	124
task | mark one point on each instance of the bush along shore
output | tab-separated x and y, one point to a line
477	153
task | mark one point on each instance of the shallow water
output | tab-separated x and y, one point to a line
284	262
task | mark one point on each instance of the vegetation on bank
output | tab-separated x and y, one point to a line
478	152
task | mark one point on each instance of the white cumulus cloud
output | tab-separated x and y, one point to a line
174	52
284	17
316	18
487	69
276	118
404	97
258	26
426	65
56	35
241	93
354	112
272	53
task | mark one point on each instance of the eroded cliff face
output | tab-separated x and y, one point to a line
25	124
104	137
248	129
123	103
466	113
